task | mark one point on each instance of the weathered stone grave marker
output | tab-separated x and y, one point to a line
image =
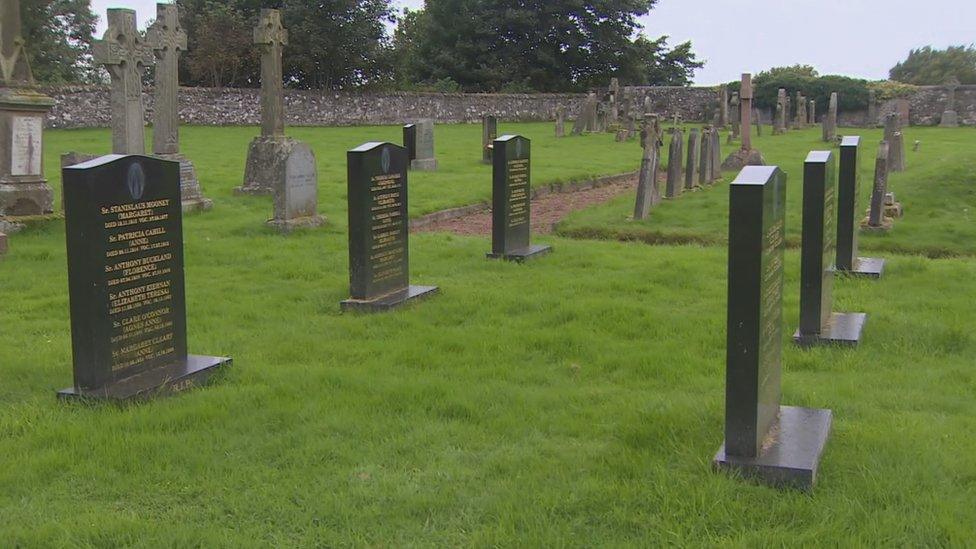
511	194
560	121
489	132
705	158
746	155
694	153
23	189
125	55
268	152
675	182
295	203
124	229
648	192
424	160
818	324
830	120
168	41
779	126
379	230
779	445
848	191
876	220
950	118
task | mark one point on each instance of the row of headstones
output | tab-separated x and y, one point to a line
123	226
782	445
700	167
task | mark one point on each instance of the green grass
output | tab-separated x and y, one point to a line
576	400
220	154
937	191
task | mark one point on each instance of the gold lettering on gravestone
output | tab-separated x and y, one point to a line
518	192
138	267
387	249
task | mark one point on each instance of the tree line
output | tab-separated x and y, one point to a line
450	45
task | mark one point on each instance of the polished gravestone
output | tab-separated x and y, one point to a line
379	229
410	141
818	324
779	445
511	195
123	221
848	191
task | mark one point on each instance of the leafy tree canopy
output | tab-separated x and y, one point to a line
927	66
535	45
58	35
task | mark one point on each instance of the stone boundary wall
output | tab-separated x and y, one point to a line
88	106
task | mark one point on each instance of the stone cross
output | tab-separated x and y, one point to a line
14	68
124	54
951	85
745	110
168	41
271	38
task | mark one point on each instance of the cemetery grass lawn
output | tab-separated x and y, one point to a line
938	192
219	154
576	400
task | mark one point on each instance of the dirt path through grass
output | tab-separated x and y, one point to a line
547	210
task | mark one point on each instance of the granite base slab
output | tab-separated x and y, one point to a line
388	301
791	457
843	329
519	256
162	381
865	267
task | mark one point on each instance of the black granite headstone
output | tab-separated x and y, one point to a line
511	195
848	191
780	445
818	324
379	229
124	228
410	141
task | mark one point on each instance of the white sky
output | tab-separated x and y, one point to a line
861	38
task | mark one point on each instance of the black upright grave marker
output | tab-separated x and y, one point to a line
818	325
124	227
410	141
510	201
848	190
780	445
378	229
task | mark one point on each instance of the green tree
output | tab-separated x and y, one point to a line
59	35
927	66
541	45
332	44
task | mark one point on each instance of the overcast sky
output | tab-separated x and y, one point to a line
861	38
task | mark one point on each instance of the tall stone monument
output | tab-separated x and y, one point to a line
830	120
168	41
379	266
269	151
779	125
511	201
872	108
124	53
950	119
778	445
23	189
819	325
746	155
124	232
848	193
648	191
735	115
705	158
812	111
